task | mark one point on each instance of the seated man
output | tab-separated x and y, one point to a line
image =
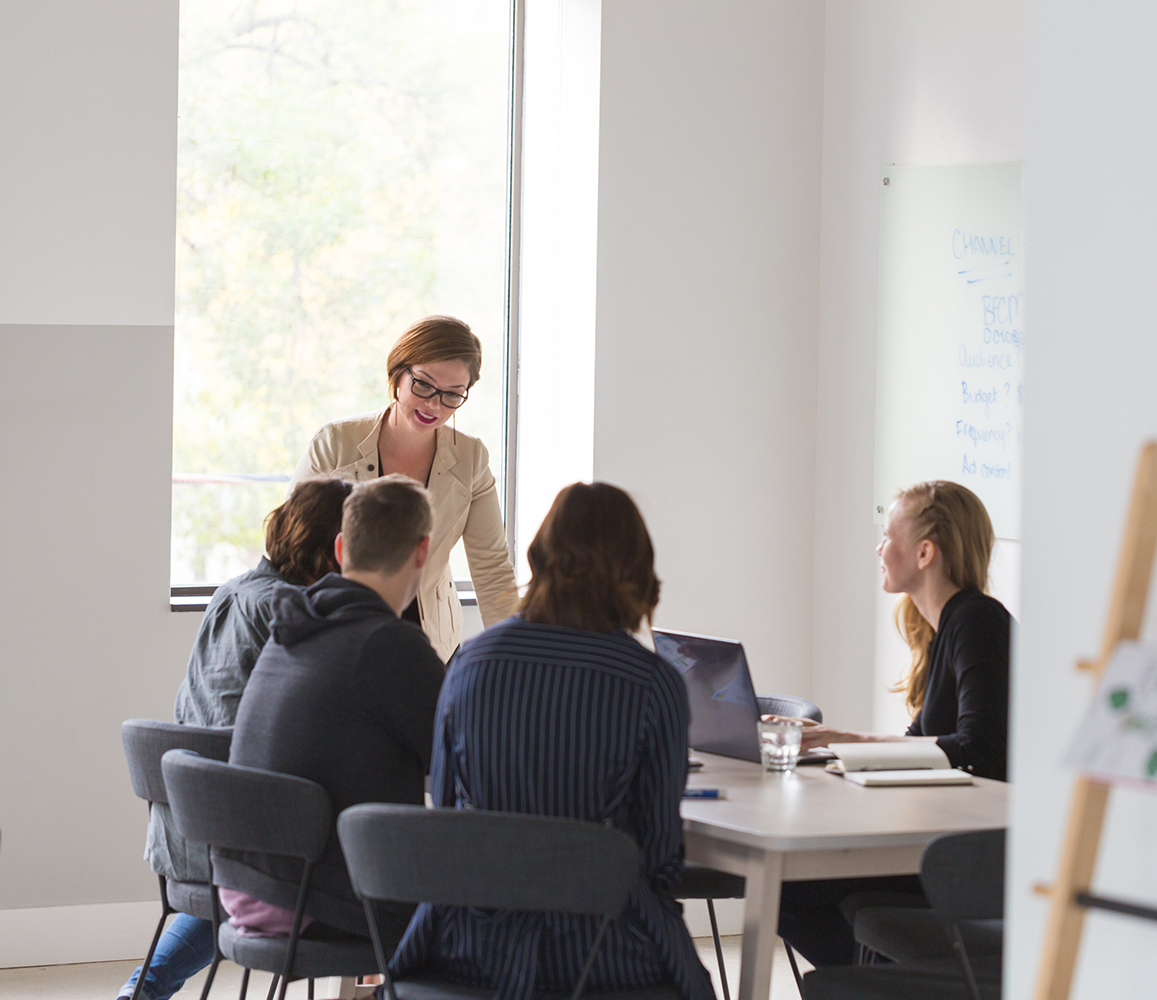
343	694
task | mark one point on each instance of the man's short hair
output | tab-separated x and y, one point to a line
382	523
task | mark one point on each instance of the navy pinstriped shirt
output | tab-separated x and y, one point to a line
585	725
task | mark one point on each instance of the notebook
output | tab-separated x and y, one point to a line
914	763
937	776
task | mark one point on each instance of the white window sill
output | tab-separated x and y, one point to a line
197	598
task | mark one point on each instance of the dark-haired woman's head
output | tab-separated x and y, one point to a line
592	563
299	534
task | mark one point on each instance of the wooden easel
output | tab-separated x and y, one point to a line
1071	895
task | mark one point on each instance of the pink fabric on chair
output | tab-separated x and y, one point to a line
256	918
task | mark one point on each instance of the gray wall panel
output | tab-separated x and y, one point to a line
88	129
86	635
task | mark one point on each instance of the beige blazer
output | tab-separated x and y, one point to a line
465	502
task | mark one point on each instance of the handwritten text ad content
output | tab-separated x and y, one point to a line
991	394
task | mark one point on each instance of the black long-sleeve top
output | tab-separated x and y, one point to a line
966	700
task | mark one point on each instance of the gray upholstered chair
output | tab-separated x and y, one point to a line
935	980
239	808
709	883
903	933
145	742
493	860
909	935
963	879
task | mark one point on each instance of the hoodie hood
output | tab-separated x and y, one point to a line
333	600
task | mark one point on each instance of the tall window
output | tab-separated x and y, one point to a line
341	173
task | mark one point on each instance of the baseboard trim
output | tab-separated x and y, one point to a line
65	935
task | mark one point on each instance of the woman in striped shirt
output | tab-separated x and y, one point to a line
561	712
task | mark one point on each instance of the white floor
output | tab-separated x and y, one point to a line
101	980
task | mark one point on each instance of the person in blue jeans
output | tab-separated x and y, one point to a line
299	546
185	949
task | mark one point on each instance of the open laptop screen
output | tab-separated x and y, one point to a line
724	712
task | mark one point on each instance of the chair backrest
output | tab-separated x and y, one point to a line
146	741
474	857
245	808
963	875
789	704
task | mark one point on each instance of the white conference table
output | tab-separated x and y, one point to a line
810	824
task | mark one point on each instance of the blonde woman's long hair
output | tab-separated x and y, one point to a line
953	518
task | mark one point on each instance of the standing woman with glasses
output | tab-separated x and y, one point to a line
431	370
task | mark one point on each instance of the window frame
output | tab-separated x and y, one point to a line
186	598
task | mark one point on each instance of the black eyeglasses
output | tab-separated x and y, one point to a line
423	390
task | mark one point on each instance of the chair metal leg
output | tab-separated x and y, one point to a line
718	948
590	963
165	911
295	931
963	953
217	956
309	990
379	952
244	985
209	979
273	985
794	967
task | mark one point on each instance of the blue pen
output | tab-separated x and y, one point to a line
704	793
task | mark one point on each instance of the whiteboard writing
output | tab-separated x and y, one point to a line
951	335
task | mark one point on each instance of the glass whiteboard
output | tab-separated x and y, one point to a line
950	341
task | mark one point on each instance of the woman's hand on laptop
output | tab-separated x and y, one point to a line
816	735
788	718
820	736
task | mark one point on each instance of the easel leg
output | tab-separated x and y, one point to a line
1075	874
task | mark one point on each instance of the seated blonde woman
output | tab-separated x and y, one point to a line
936	550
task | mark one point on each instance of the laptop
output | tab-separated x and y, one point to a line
724	712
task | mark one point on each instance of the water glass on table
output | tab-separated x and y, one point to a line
779	741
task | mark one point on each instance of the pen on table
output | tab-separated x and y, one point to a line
704	793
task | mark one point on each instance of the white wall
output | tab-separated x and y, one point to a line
560	188
87	195
1091	209
908	82
708	259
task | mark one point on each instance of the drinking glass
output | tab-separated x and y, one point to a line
779	741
